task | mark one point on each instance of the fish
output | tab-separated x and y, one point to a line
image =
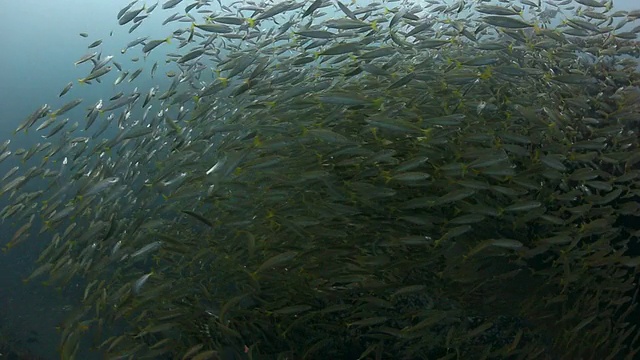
190	56
95	74
214	28
150	9
136	288
135	74
65	89
349	13
85	58
95	44
39	113
170	4
133	43
198	217
121	77
316	34
506	22
147	249
125	9
120	102
591	3
341	48
308	172
102	186
150	45
312	8
496	10
129	15
229	20
135	26
276	9
346	24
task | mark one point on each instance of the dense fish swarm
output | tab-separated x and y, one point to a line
349	180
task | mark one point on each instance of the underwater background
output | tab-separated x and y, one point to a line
40	42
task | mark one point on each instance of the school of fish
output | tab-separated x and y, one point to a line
331	179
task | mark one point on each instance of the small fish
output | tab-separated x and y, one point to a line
172	17
170	4
130	15
500	243
591	3
316	34
523	206
147	248
574	79
116	96
496	10
313	7
506	22
151	8
214	28
102	186
190	56
276	9
66	89
198	217
59	126
135	74
154	44
377	53
402	81
343	48
133	43
46	123
276	260
135	26
66	107
95	74
229	20
346	24
85	58
95	44
138	284
126	8
294	309
454	196
348	12
121	77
